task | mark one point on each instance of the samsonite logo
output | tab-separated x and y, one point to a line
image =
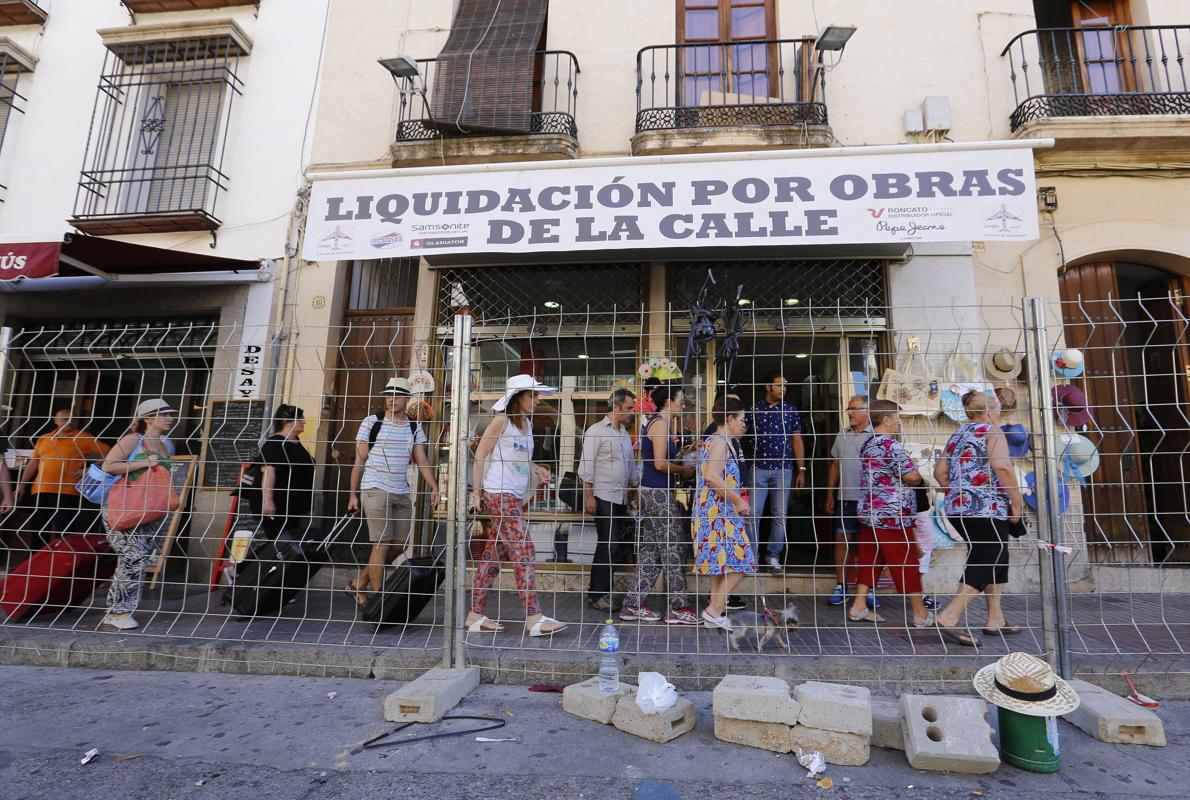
386	240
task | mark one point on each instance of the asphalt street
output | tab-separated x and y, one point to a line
164	735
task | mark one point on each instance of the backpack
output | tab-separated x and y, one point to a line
374	434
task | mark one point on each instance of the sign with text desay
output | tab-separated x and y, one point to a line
961	195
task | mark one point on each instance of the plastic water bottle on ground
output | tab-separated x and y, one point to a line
609	658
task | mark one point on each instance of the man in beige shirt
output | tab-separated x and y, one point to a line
607	469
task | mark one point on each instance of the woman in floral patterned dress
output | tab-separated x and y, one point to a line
720	515
982	499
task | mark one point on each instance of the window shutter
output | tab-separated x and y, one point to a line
485	73
182	171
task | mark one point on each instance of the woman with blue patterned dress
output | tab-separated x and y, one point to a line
722	548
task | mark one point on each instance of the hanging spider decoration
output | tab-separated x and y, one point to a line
704	312
735	322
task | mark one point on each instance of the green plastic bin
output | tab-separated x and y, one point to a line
1029	743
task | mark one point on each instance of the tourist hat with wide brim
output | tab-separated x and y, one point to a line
1071	403
1029	492
1018	439
1081	451
1027	685
1003	365
398	387
1069	363
151	408
517	384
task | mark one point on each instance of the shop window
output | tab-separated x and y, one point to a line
154	159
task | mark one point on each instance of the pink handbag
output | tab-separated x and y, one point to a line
148	499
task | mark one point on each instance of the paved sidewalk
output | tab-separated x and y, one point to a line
284	738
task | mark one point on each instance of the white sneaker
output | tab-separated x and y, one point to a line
121	622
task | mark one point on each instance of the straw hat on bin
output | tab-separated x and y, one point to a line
1027	685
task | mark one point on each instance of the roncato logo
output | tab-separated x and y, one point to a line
386	240
876	213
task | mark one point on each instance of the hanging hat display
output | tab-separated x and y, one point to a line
1029	491
1018	439
1079	453
1068	363
1070	403
1003	365
1027	685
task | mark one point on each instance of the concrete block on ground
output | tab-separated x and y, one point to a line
755	699
845	749
660	728
429	697
834	707
886	724
1111	718
765	735
587	701
948	734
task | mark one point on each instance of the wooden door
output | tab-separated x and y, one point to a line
1104	55
1115	501
1166	409
374	347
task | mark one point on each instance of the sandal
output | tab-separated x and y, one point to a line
353	591
959	636
928	622
1003	630
485	625
539	628
867	615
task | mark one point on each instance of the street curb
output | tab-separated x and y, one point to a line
888	675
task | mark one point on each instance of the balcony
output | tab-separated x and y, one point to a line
435	117
1121	90
21	12
152	6
721	96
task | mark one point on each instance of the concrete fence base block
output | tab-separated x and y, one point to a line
1111	718
765	735
948	734
660	728
430	697
886	724
845	749
835	707
755	699
586	700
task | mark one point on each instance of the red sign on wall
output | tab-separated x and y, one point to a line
29	260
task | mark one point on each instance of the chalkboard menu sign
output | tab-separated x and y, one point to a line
233	437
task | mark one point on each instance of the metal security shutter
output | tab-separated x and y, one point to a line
192	113
486	70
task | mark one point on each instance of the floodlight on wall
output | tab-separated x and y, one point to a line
400	66
834	37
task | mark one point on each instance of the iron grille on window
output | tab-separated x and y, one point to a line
789	293
598	294
13	63
382	284
68	342
155	154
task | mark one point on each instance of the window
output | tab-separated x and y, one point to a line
14	62
155	155
729	70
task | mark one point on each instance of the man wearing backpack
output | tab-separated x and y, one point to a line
384	447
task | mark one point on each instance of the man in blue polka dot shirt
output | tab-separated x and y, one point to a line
779	463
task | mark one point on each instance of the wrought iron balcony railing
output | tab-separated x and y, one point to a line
424	97
1093	72
727	84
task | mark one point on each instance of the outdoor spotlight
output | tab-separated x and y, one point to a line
583	355
803	355
552	304
834	37
744	301
400	66
792	301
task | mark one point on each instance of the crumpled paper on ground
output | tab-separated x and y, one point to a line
812	761
654	693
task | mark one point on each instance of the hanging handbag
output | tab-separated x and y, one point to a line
911	386
147	499
96	484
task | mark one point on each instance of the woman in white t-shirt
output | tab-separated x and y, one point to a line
503	462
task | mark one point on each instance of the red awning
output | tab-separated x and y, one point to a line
94	255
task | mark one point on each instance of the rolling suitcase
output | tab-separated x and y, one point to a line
276	570
63	573
408	587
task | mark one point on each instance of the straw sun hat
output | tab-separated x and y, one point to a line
1027	685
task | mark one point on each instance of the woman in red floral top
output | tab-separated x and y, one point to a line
886	511
982	498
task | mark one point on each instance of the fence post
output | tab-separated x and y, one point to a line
1055	604
456	497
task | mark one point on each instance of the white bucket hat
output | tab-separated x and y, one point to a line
1027	685
517	384
1003	365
